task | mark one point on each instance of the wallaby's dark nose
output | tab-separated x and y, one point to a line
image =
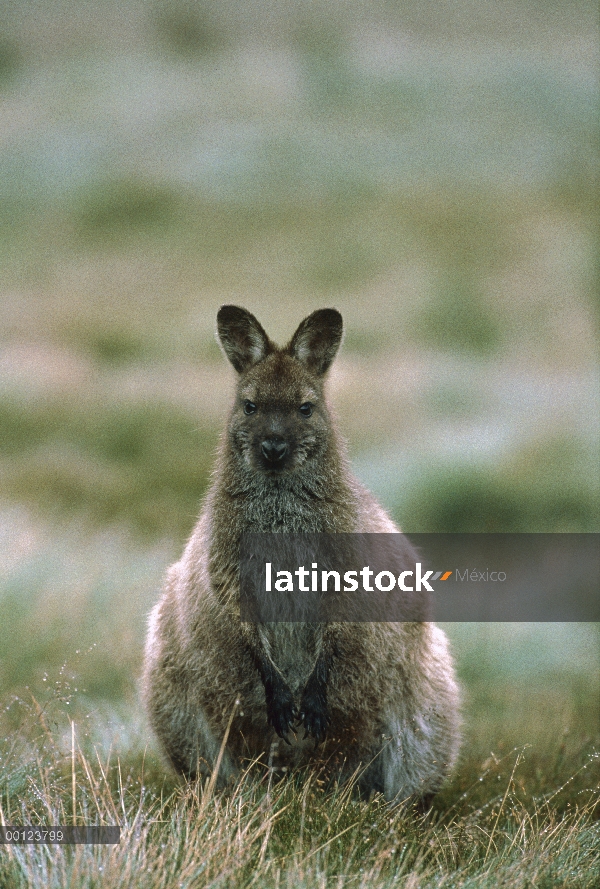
273	449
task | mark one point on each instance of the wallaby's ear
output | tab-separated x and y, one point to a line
317	340
243	339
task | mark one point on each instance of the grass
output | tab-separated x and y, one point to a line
522	809
298	835
143	463
540	488
515	816
449	274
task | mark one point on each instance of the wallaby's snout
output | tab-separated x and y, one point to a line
274	450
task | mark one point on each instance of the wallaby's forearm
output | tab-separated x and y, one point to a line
314	713
282	713
281	708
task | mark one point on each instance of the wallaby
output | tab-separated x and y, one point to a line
380	698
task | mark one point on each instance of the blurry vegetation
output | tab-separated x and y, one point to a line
545	487
147	465
113	347
178	155
41	650
459	319
341	260
328	78
143	464
10	58
189	28
117	208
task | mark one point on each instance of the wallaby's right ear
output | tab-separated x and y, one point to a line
317	340
243	339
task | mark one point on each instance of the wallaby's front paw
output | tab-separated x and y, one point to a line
281	710
314	714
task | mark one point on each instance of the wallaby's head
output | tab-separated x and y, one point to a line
279	421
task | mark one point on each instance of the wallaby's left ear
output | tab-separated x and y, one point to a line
244	341
317	340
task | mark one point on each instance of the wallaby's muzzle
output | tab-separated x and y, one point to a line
274	450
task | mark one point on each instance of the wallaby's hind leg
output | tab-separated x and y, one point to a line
408	766
191	745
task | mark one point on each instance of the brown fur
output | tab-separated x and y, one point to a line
382	696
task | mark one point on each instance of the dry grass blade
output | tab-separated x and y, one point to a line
73	775
208	791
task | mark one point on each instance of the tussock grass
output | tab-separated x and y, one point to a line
541	487
294	832
523	808
143	462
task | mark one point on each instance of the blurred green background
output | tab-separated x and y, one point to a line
428	168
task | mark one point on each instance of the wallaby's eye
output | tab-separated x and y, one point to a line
249	407
306	409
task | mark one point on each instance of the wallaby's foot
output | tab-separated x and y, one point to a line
314	714
423	804
183	766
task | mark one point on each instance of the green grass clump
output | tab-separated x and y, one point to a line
188	30
10	58
459	320
118	207
544	487
144	464
521	810
297	831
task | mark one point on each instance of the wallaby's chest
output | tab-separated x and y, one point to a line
293	648
294	512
